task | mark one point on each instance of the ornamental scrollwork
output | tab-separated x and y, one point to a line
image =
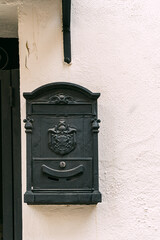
95	125
61	99
28	124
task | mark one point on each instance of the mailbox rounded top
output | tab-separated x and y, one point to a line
60	85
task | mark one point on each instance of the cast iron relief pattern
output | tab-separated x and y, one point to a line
95	125
61	99
62	138
28	124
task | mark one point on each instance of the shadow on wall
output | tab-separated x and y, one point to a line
62	220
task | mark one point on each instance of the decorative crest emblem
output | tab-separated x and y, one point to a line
62	138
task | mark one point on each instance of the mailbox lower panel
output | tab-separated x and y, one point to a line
62	198
47	175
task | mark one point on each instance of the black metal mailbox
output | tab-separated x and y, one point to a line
62	145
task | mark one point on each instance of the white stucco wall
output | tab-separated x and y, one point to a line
115	51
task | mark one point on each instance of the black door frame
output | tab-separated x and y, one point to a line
11	155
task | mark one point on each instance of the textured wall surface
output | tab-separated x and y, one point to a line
115	51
